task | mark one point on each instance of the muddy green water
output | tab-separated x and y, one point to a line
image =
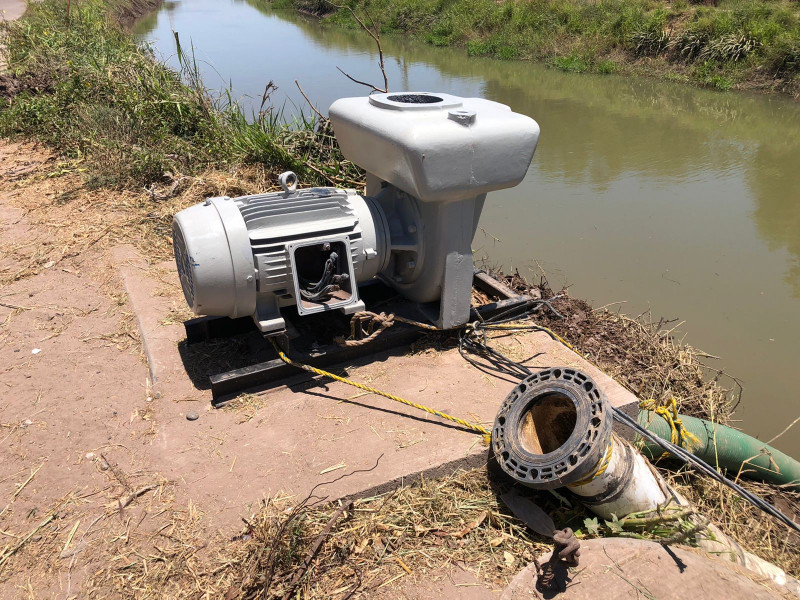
681	201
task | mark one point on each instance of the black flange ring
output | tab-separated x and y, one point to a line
576	457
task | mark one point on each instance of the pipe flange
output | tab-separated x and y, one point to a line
524	448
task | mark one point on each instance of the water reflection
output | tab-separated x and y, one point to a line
775	181
666	196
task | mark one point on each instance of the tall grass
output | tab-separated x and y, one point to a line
89	89
744	40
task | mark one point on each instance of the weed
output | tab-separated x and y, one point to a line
649	42
572	63
729	47
689	45
584	36
102	95
606	67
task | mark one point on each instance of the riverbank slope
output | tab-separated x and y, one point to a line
724	44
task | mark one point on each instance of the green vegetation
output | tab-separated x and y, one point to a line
734	43
78	82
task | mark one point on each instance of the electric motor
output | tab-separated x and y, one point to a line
430	160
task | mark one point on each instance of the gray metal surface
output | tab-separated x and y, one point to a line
431	159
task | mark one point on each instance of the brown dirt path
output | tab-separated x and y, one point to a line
73	385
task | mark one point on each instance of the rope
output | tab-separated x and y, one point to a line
487	436
360	336
599	468
679	435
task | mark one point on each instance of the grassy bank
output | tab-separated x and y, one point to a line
80	83
743	44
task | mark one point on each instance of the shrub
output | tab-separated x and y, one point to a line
731	48
650	42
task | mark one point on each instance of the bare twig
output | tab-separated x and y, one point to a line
314	549
28	480
127	499
787	428
375	34
351	78
314	108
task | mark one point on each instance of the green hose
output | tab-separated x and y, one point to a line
727	449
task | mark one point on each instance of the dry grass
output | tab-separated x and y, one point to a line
640	353
746	524
413	532
76	219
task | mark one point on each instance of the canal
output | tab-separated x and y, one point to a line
660	197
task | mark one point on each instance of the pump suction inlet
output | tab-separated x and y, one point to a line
555	430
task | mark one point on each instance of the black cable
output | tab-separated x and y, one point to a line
705	468
473	340
329	282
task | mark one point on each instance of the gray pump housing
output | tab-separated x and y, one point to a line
430	161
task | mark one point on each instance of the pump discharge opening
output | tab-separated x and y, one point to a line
548	424
414	98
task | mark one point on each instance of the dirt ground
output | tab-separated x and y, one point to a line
75	422
92	456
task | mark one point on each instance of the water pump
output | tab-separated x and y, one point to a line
430	159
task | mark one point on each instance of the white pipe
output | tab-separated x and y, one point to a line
627	485
630	485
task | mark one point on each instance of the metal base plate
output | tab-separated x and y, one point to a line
312	336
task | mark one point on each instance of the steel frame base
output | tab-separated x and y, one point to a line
225	386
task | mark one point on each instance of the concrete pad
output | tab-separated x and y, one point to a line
455	583
303	434
158	342
615	568
10	10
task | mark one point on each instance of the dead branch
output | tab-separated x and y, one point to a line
127	499
314	108
314	549
351	78
375	34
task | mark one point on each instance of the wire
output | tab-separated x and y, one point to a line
472	339
705	468
328	283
